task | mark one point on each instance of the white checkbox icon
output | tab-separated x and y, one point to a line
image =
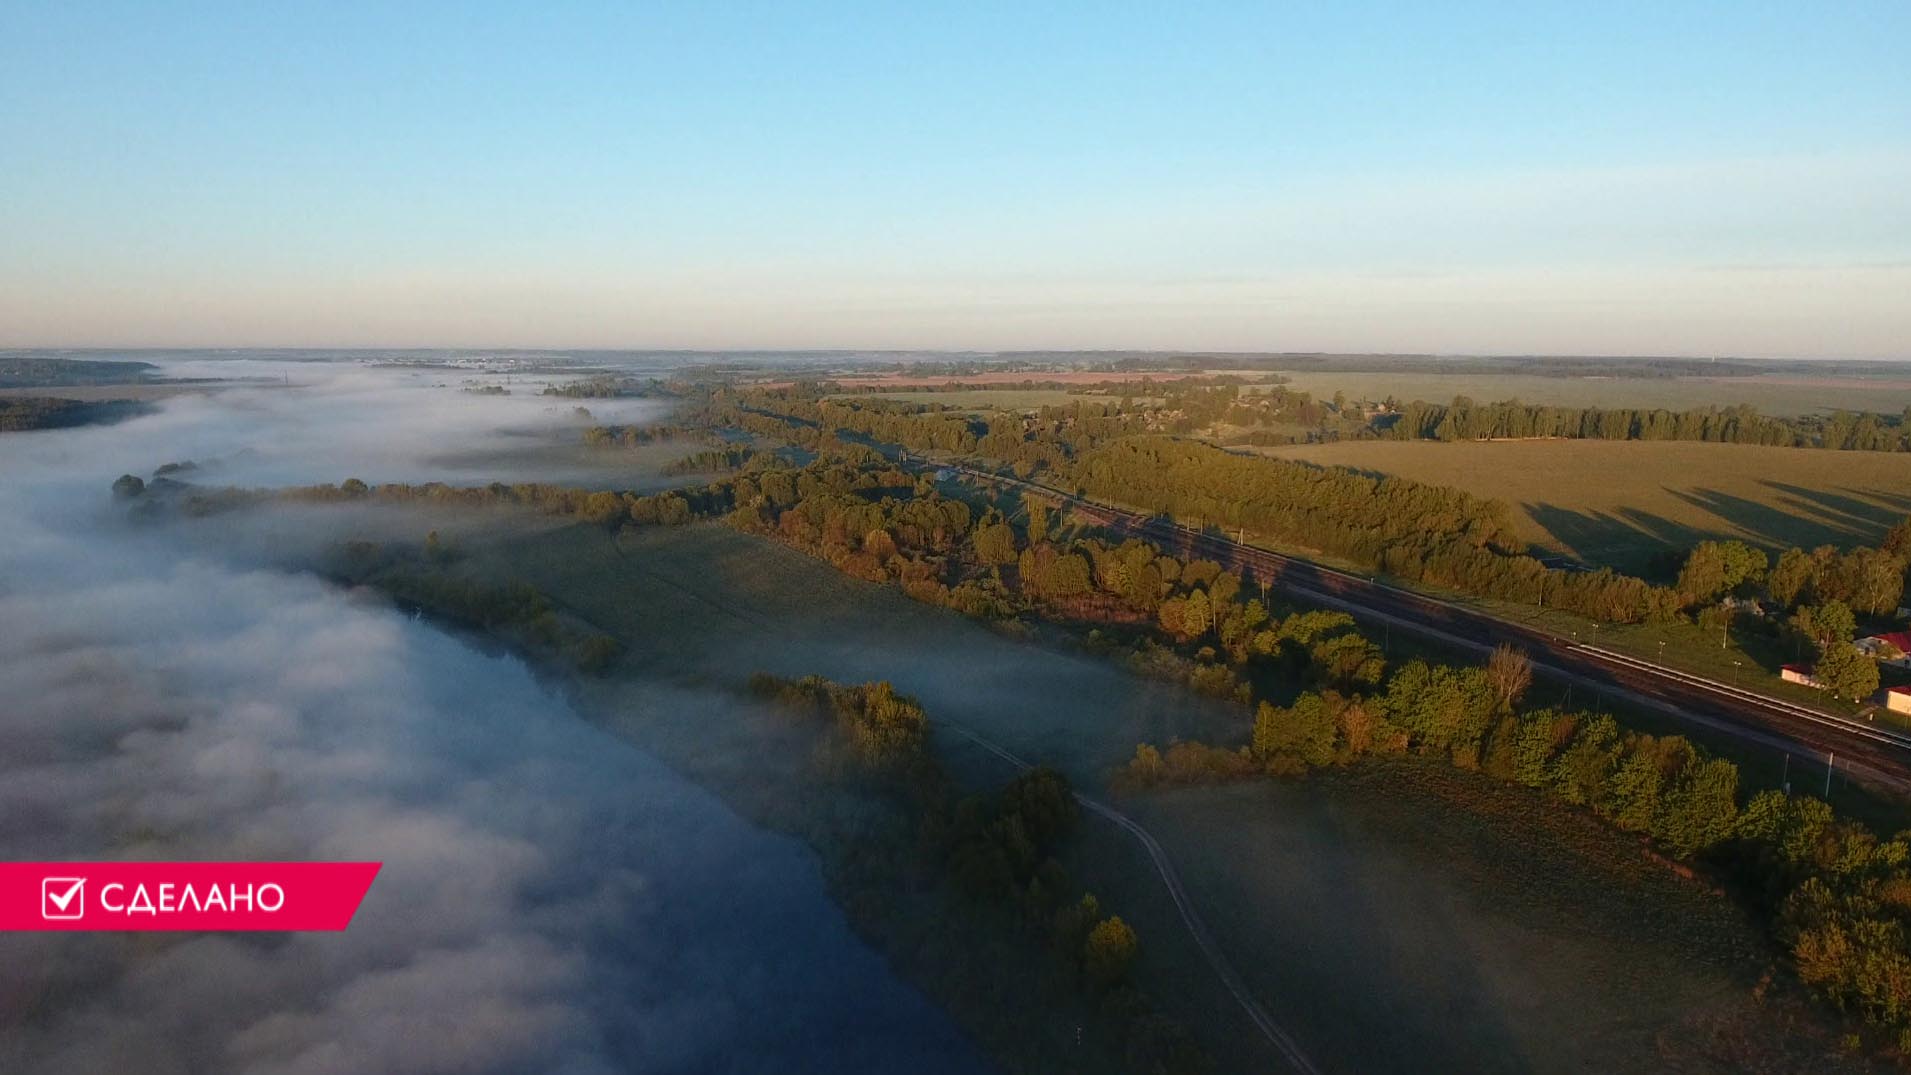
62	897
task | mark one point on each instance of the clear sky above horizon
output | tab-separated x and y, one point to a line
1623	178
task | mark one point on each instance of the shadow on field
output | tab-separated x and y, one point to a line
1665	531
1766	524
1626	539
1898	502
1868	516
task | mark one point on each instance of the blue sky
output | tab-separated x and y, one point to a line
1628	178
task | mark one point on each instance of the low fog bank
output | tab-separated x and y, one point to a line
290	423
552	898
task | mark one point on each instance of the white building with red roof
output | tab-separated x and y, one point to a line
1892	648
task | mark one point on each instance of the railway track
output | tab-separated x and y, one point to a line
1877	756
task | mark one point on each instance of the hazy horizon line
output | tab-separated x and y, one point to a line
1193	352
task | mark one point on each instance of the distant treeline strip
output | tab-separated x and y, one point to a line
1464	419
23	414
599	506
633	436
22	371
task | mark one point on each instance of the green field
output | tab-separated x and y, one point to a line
1619	502
1776	395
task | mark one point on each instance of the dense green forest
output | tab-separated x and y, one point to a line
632	436
614	387
713	460
1407	529
1231	410
20	414
1464	419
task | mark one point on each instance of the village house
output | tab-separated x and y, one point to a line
1798	673
1892	648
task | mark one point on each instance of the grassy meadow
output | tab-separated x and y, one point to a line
1618	503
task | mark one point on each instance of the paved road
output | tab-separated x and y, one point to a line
1280	1039
1876	756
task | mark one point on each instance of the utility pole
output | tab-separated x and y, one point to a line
1830	760
1785	781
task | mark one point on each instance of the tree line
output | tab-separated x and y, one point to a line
1185	620
1835	894
1408	529
712	460
617	387
27	413
633	436
1463	419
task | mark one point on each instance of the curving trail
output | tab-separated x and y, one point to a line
1279	1038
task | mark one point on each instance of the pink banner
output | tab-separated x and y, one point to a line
182	895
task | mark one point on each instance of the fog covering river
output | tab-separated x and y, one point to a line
552	898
